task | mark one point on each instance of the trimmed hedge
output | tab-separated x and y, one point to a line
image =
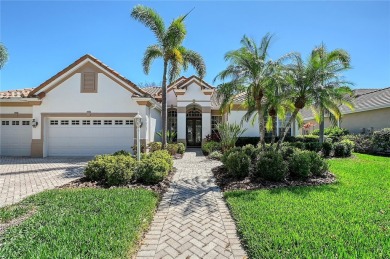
210	146
151	170
237	164
111	169
271	166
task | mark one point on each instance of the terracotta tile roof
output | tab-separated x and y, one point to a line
152	90
21	93
365	99
87	56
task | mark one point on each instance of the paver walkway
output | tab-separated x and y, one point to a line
22	177
192	220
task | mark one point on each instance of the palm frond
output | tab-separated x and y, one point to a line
194	59
150	19
151	53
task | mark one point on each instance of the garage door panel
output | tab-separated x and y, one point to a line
88	140
15	137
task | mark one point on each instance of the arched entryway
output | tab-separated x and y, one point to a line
194	126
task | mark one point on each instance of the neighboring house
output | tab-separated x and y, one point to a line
372	112
88	109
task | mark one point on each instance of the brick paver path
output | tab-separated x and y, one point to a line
192	220
21	177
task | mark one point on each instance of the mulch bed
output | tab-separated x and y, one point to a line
228	183
160	187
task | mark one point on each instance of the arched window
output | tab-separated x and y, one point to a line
172	120
194	113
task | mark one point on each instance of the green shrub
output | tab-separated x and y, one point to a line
300	164
250	151
270	166
181	148
343	148
211	146
163	154
151	170
287	151
227	153
381	140
326	148
172	148
362	143
339	149
298	144
121	153
334	133
112	170
318	165
154	146
307	138
215	155
237	164
313	146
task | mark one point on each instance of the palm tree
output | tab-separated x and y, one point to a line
169	47
333	91
3	55
249	72
316	85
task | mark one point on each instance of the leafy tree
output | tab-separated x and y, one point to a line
169	48
3	55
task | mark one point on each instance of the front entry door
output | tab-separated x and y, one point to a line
194	132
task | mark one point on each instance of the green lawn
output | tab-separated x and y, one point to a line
78	223
348	219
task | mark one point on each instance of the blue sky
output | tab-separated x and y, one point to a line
44	37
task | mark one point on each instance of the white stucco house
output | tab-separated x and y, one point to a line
88	109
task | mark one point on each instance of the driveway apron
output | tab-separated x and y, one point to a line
22	177
192	220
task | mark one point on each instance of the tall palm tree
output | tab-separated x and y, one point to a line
169	47
3	55
249	72
333	91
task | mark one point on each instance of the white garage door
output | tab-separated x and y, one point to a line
88	136
15	137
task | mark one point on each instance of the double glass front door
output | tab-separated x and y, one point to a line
194	132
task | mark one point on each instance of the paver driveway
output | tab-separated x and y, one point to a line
21	177
192	220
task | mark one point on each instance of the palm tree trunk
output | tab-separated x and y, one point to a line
274	129
164	107
322	127
288	126
261	123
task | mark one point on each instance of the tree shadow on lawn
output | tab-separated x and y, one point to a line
302	191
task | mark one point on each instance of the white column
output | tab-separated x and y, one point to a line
181	125
206	124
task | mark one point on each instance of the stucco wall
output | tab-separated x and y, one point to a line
355	122
251	130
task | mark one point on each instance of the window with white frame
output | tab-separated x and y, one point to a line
118	122
86	122
172	120
54	122
5	123
129	122
25	123
15	123
97	122
75	122
215	120
65	122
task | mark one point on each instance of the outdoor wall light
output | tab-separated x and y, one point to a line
138	124
34	123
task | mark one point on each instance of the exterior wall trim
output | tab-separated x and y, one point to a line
17	115
20	104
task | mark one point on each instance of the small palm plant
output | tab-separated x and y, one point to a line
171	135
229	134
